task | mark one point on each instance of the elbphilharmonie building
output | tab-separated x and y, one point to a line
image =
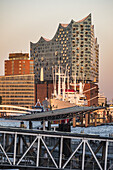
73	46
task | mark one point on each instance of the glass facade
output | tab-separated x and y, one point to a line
74	45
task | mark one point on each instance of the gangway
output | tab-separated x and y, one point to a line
25	149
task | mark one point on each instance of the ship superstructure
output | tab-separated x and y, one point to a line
66	91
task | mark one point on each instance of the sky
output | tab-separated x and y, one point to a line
22	21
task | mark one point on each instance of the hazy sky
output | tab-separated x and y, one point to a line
22	21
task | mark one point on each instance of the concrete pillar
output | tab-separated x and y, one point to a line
104	120
30	125
49	125
108	117
86	120
66	142
95	115
81	119
74	121
89	118
43	124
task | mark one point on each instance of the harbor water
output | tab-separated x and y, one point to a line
103	130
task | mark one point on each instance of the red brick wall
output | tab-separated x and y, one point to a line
91	95
42	91
25	67
8	67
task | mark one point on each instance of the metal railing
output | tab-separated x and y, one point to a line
26	148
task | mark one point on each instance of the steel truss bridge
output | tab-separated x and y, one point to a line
37	149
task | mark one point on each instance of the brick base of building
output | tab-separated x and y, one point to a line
45	89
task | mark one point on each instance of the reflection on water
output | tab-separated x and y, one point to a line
99	130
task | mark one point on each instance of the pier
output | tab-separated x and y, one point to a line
77	116
38	149
23	148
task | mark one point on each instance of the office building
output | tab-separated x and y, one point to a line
19	64
18	90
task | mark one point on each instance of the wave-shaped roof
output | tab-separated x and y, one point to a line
66	25
83	19
46	39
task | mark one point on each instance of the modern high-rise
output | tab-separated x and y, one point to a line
74	45
19	64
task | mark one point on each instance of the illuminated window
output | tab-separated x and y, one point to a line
56	53
42	58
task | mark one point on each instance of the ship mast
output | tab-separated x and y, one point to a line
59	82
63	87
